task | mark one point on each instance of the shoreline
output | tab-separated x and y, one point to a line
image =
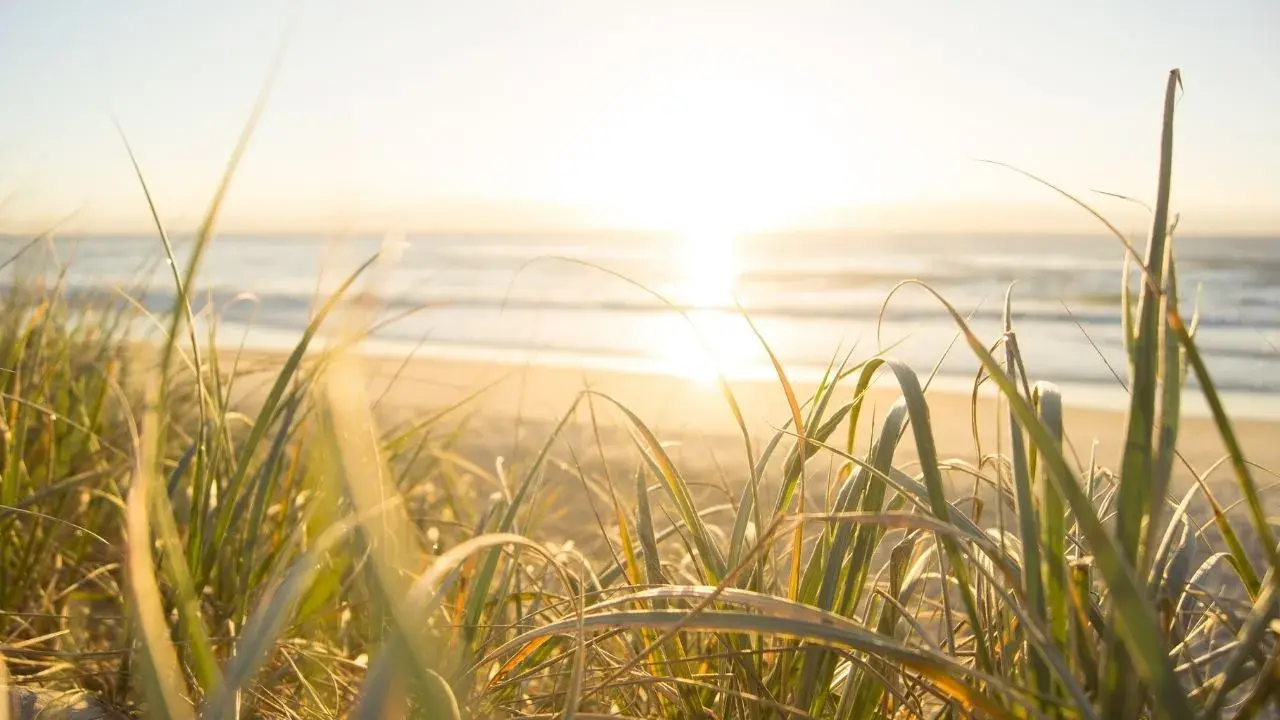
696	413
1107	397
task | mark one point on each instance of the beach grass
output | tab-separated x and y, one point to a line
179	552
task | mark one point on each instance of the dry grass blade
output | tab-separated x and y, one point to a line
384	524
5	702
678	490
807	623
163	675
797	542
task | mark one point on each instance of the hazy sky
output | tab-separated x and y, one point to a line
541	113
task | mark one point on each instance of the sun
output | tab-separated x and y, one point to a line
709	267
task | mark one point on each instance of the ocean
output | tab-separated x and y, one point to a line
605	300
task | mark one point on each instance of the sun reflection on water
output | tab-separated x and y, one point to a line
709	271
706	287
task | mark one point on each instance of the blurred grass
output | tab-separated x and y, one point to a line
178	553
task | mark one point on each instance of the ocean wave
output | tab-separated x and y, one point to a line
238	305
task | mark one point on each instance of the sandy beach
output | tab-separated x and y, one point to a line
517	405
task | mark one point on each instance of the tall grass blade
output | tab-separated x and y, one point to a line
1171	371
1240	558
918	412
1029	522
162	676
384	525
1136	466
1053	517
1135	619
843	565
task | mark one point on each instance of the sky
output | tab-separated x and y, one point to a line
560	114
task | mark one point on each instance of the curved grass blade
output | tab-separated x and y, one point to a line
1251	633
723	382
162	678
713	563
814	626
918	413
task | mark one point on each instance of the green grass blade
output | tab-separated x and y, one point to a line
1121	697
918	412
1137	466
843	580
860	544
644	528
1053	519
1029	526
1240	466
1171	372
1136	622
271	405
162	677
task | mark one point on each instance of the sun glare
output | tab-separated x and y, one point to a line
710	268
706	287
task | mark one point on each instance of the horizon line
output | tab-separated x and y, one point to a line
317	233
